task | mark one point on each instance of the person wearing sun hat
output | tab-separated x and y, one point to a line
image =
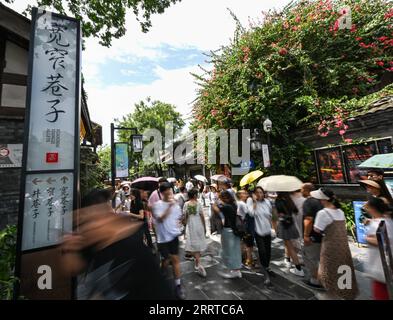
335	252
377	189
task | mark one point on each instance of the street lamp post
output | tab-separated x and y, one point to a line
256	144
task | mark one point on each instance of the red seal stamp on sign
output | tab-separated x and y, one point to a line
52	157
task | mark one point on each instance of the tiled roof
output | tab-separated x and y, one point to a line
378	105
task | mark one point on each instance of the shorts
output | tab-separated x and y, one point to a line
248	240
169	248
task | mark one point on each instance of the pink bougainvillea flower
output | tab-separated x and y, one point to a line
358	38
285	25
382	39
348	140
389	14
339	123
345	127
324	134
353	28
380	63
214	112
298	19
336	25
282	51
389	69
370	79
295	28
341	132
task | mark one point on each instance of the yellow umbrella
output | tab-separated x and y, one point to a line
250	177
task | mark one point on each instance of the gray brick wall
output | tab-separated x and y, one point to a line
11	131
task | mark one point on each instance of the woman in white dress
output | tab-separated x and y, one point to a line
195	229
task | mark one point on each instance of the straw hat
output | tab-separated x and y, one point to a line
370	183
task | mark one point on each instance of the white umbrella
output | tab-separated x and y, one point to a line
280	183
200	178
218	177
173	180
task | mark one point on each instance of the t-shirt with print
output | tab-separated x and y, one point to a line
327	216
168	229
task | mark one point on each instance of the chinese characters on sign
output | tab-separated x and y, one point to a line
53	130
48	209
53	94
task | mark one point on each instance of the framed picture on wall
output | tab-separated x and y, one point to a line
330	165
355	155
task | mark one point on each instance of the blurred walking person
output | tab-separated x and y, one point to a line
335	252
167	218
107	254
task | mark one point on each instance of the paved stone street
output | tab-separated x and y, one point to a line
249	287
284	285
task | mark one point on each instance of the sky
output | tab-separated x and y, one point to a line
158	64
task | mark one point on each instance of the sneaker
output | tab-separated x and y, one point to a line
231	274
248	265
201	270
287	263
180	294
296	272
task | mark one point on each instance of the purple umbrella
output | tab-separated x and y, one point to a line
145	183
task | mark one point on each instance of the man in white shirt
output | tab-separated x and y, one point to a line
189	185
167	215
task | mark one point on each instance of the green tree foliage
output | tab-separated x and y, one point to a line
104	155
7	261
149	115
106	19
92	171
298	67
